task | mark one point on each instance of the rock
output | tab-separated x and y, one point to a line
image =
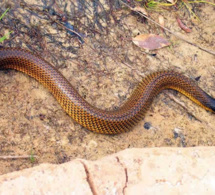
47	179
132	171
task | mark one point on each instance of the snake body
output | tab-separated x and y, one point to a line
92	118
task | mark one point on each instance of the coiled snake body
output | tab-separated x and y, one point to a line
97	120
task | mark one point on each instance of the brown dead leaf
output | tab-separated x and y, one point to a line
140	9
150	41
161	21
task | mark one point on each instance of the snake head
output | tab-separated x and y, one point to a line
211	103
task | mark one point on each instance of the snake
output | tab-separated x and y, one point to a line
101	120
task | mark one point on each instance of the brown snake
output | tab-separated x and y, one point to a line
97	120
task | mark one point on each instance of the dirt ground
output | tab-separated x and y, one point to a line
104	69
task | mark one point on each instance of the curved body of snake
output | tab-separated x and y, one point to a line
97	120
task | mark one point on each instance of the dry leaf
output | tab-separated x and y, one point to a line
140	9
150	41
161	20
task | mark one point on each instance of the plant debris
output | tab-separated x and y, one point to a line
150	41
183	26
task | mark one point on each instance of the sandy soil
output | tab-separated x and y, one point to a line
105	70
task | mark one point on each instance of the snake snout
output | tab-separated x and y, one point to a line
212	104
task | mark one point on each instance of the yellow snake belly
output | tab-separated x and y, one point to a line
94	119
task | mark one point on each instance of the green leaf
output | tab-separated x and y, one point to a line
32	158
5	37
2	16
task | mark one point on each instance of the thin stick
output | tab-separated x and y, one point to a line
172	97
166	29
17	157
69	29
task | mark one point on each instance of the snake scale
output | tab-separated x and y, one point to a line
92	118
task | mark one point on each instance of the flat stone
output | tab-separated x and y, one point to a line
66	178
132	171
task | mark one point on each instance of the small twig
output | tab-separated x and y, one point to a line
69	29
166	29
134	69
201	120
17	157
172	97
